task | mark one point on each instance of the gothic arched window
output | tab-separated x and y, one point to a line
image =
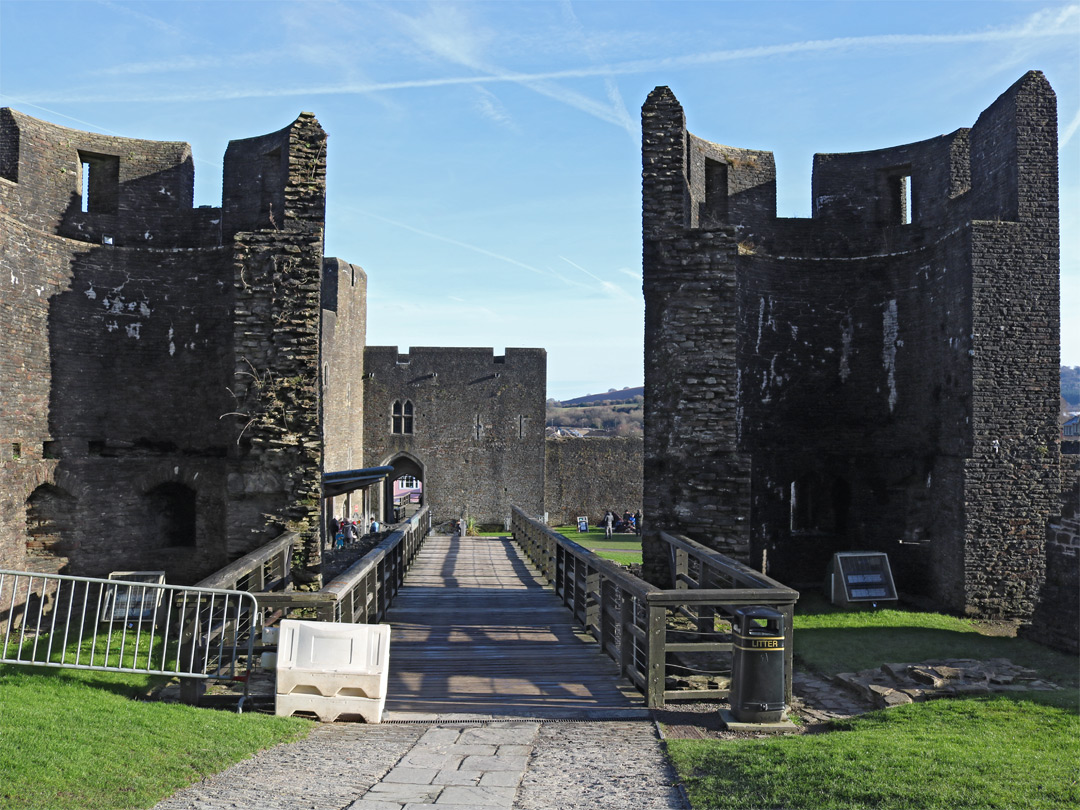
402	417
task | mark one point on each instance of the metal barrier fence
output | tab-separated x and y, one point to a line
630	618
362	593
136	625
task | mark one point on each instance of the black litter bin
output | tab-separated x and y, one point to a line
757	667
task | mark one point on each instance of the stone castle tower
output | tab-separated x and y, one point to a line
880	376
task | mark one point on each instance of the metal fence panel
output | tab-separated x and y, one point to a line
137	625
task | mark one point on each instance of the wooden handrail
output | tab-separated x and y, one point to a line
735	568
363	592
626	614
253	561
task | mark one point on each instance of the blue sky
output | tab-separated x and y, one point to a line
484	157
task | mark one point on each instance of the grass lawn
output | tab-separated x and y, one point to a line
76	739
622	548
829	640
1022	750
949	754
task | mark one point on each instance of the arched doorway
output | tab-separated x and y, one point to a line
172	514
50	513
403	490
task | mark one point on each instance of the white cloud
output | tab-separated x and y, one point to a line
1070	130
489	107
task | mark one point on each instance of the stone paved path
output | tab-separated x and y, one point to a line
615	765
608	756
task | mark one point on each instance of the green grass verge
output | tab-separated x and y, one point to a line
1015	750
77	739
829	640
621	557
949	754
618	548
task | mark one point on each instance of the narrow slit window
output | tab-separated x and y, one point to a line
716	192
84	168
905	200
898	206
395	418
407	418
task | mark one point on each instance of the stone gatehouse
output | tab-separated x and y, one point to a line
467	423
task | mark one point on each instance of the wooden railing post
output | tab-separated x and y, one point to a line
627	644
592	603
682	569
788	612
657	657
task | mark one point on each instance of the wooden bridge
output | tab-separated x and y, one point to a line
535	625
475	630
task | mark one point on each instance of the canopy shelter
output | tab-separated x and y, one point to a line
339	483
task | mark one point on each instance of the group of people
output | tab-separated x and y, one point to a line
629	524
345	532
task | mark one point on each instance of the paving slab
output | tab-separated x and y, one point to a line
335	765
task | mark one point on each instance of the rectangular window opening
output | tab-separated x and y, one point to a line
85	171
897	204
100	182
716	192
905	200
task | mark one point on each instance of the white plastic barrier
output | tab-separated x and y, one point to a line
332	669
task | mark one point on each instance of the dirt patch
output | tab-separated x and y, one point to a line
1005	628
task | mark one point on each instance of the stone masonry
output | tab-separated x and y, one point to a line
881	376
584	476
160	398
467	423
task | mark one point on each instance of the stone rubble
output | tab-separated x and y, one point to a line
898	684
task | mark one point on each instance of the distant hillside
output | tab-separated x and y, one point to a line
615	413
1070	385
612	396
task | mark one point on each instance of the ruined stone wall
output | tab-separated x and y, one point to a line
344	331
589	476
894	357
275	471
696	481
121	341
477	439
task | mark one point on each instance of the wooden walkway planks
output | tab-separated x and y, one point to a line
475	631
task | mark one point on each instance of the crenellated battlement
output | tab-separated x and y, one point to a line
863	203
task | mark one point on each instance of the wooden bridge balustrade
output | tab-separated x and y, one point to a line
267	568
363	592
629	617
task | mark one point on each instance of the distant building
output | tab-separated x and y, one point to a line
466	424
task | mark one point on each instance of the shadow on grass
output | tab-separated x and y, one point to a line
829	651
124	685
